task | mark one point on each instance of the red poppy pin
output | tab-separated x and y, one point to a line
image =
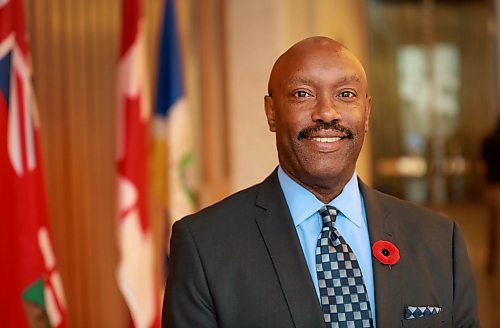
386	252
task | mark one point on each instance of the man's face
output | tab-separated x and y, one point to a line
319	108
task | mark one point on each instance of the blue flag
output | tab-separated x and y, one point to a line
173	135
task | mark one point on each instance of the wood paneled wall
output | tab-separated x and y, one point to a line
74	46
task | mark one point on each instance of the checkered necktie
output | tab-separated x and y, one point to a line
344	299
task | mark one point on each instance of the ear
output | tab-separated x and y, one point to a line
368	110
270	112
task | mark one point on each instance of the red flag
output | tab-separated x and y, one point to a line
136	278
31	291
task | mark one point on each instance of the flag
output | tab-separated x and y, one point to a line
31	291
135	274
172	164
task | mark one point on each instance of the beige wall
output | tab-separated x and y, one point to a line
254	41
229	49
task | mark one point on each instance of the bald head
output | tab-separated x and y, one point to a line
290	61
318	106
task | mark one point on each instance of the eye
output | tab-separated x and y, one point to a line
347	94
301	94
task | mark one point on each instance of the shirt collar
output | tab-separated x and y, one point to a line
302	203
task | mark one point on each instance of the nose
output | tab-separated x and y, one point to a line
325	110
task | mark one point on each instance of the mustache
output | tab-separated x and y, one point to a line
320	125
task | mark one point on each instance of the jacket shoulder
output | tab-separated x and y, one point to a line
411	214
236	207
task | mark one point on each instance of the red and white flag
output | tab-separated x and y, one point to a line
31	292
136	275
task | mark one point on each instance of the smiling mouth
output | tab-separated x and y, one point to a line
326	139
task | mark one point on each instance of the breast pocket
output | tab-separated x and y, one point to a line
431	321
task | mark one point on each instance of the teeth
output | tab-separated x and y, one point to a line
334	139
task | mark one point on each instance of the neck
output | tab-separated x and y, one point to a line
325	190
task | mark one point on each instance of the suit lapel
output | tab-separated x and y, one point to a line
279	234
388	297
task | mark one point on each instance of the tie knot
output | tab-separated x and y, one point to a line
328	214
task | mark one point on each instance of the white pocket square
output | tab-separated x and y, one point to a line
414	312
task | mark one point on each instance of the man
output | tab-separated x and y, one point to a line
295	250
491	157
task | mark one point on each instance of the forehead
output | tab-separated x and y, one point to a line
317	65
339	67
309	77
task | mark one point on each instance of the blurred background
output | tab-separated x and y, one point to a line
433	67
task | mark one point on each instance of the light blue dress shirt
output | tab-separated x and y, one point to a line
351	223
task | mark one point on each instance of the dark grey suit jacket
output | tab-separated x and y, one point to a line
239	264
